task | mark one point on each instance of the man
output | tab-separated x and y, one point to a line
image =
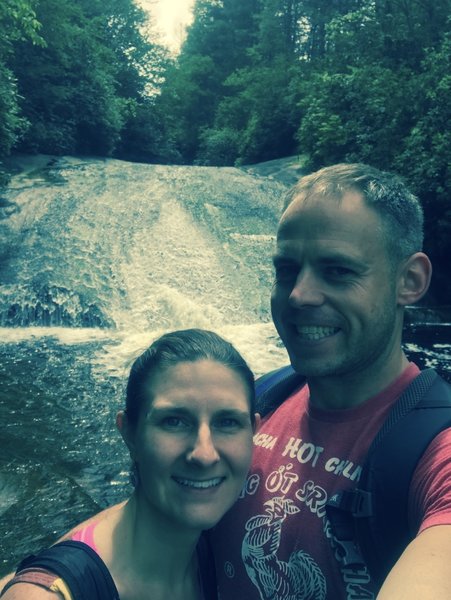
348	261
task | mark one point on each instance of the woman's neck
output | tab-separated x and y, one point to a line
152	555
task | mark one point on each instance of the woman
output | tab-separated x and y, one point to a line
188	424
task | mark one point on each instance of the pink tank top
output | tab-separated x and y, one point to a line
86	535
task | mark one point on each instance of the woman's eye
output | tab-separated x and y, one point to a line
173	422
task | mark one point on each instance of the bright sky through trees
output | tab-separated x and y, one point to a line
171	18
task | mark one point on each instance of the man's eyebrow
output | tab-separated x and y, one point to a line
333	258
279	258
338	257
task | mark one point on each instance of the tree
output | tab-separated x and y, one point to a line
360	115
79	89
216	45
17	23
143	137
68	85
425	159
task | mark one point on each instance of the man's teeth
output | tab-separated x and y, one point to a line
201	485
314	332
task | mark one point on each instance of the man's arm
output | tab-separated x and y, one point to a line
423	571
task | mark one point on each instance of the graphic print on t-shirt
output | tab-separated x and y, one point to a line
299	577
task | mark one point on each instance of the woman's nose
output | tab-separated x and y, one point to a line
203	450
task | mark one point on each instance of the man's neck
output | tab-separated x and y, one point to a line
350	390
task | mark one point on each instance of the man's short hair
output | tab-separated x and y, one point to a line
400	211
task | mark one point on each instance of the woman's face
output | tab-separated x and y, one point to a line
193	443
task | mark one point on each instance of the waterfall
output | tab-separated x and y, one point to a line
137	249
105	243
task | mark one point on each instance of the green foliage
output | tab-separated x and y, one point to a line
189	101
358	115
427	147
66	88
264	123
17	23
425	159
12	123
143	138
73	83
218	147
216	45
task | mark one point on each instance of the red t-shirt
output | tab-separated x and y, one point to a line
274	543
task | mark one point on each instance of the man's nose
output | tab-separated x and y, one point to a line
307	290
203	450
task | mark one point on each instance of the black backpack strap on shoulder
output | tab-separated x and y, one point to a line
378	508
79	566
207	569
421	413
274	387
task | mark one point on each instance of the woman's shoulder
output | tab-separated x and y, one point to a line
103	516
68	566
30	591
35	585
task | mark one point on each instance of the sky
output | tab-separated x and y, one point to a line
171	18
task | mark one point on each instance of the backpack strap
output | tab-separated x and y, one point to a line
79	566
274	387
207	569
376	513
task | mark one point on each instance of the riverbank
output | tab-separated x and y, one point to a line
286	170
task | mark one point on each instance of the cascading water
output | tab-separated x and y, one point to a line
138	246
98	257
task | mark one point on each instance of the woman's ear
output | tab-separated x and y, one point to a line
126	431
414	279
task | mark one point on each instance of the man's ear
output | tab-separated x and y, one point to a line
414	279
126	431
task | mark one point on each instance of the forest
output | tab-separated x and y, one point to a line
255	80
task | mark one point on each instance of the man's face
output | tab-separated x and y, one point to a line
334	296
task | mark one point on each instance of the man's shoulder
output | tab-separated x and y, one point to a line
273	388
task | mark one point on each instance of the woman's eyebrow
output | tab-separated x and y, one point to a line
166	409
232	412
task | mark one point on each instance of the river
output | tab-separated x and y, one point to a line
98	257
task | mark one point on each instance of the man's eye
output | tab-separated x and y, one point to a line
285	272
338	272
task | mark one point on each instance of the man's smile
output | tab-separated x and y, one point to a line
315	332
